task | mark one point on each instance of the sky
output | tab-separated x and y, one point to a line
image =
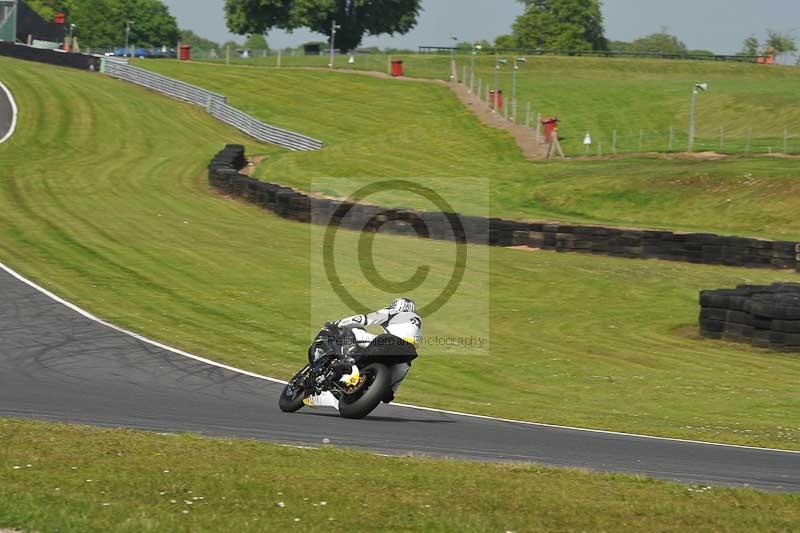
716	25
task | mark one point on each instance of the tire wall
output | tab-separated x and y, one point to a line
51	57
763	316
290	204
705	248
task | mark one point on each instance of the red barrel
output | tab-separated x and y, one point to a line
397	68
185	52
497	100
550	126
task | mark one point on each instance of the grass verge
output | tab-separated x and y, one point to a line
73	478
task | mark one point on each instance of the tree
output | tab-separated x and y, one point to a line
195	41
100	23
619	46
780	44
256	41
507	42
750	46
356	17
46	9
659	43
469	47
153	25
573	25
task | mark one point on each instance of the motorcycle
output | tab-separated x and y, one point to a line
332	355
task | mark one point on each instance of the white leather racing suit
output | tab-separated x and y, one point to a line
404	325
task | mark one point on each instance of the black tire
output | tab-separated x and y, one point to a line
293	393
361	403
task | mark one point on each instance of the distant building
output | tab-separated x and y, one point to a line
8	20
21	23
31	26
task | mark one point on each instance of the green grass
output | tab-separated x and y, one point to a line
376	128
104	200
72	478
635	97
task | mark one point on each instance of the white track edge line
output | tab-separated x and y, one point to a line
14	111
157	344
136	336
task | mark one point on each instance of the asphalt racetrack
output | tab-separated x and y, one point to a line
57	364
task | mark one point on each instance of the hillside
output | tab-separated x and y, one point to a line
639	98
379	128
104	200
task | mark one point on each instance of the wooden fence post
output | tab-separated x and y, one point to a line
538	127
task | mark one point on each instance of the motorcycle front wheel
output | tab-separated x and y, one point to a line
293	393
368	394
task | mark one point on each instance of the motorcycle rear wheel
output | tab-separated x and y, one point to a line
377	381
293	393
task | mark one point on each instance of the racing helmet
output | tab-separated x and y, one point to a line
403	305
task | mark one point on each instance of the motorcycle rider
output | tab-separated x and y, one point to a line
402	326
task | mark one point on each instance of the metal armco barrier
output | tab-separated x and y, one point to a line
157	82
257	129
215	103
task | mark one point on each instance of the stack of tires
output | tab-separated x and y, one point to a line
764	316
231	157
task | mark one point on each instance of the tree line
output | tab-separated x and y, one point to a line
777	44
103	23
568	25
